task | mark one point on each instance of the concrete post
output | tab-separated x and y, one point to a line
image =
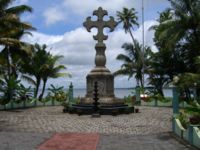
70	92
175	101
190	134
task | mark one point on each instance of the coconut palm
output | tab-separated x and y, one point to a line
185	21
51	70
11	29
132	62
129	19
10	23
33	65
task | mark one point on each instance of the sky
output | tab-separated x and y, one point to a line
59	25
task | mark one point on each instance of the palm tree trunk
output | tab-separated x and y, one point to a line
9	90
43	89
141	55
141	83
37	87
129	30
8	61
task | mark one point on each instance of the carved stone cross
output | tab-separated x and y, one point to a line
100	24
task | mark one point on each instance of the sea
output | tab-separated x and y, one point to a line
119	92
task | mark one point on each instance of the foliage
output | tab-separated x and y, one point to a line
129	19
183	119
190	115
42	65
9	89
10	23
51	70
132	61
57	93
24	94
129	100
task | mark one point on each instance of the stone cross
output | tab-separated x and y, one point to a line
100	24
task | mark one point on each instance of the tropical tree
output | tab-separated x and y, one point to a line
185	21
177	41
181	32
132	62
10	23
51	70
11	29
129	19
34	64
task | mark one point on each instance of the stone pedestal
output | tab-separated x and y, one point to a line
105	86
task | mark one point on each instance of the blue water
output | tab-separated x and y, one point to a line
118	92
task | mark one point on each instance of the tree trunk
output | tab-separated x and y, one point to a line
43	89
141	55
37	87
8	61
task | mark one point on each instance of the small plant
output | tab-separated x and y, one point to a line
9	87
129	100
183	119
57	93
23	94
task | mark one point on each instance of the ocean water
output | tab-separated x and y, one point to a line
119	92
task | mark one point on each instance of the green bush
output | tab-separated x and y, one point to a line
57	93
128	100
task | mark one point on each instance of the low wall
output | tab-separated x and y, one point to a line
191	134
156	103
27	104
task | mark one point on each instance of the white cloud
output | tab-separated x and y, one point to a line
41	38
77	47
53	15
82	8
72	9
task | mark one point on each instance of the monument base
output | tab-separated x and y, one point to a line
103	101
105	81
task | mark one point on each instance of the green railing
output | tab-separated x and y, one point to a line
27	104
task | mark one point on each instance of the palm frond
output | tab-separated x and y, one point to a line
28	79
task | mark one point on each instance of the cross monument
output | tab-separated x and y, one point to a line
100	73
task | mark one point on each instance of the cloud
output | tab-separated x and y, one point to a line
89	5
53	15
76	9
41	38
77	47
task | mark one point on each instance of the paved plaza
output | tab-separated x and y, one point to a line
25	129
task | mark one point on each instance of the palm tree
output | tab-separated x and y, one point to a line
10	23
132	62
51	70
33	65
184	22
11	29
129	19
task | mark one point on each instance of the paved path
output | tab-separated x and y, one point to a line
150	129
51	119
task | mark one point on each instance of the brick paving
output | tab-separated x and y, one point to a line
150	129
51	119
